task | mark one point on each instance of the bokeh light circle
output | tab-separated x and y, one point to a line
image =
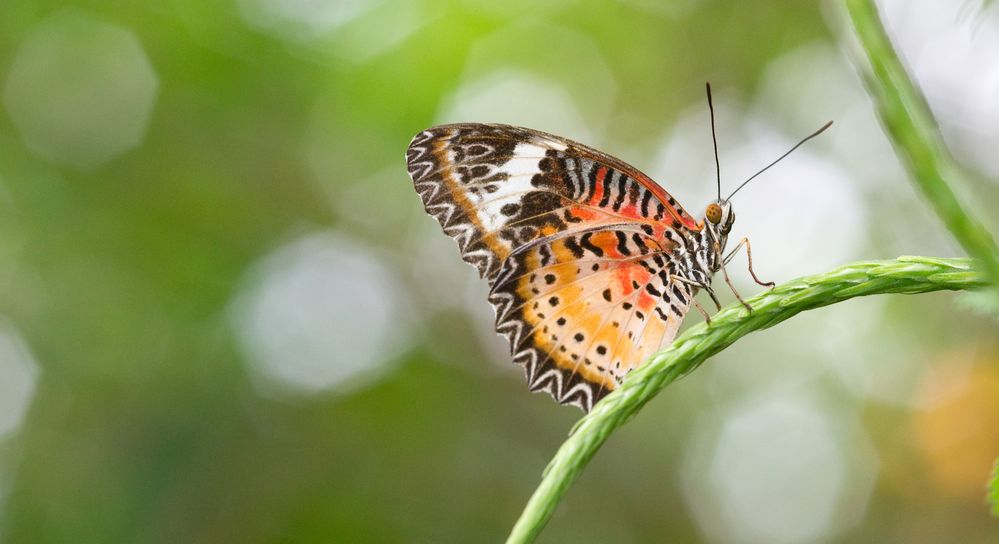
321	312
80	91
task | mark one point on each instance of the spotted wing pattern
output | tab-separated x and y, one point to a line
582	310
577	247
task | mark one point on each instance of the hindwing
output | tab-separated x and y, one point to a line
581	310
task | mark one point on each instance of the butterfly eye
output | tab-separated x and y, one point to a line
714	213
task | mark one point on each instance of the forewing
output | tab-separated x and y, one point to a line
581	310
495	188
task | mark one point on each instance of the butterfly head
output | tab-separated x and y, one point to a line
719	218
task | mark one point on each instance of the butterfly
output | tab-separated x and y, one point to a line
591	264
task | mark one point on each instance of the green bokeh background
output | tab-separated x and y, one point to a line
145	424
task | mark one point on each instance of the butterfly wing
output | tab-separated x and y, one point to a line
517	201
496	187
582	309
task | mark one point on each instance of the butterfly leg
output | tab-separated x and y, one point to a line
732	287
749	256
717	250
696	285
711	293
707	318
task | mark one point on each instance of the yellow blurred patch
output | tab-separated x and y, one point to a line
958	431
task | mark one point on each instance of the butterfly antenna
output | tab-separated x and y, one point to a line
714	139
796	146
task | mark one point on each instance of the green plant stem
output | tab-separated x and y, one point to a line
913	130
690	349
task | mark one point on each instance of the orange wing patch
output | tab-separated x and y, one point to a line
582	310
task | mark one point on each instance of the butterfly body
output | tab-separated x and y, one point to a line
591	264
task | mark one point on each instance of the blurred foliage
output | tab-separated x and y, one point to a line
146	425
